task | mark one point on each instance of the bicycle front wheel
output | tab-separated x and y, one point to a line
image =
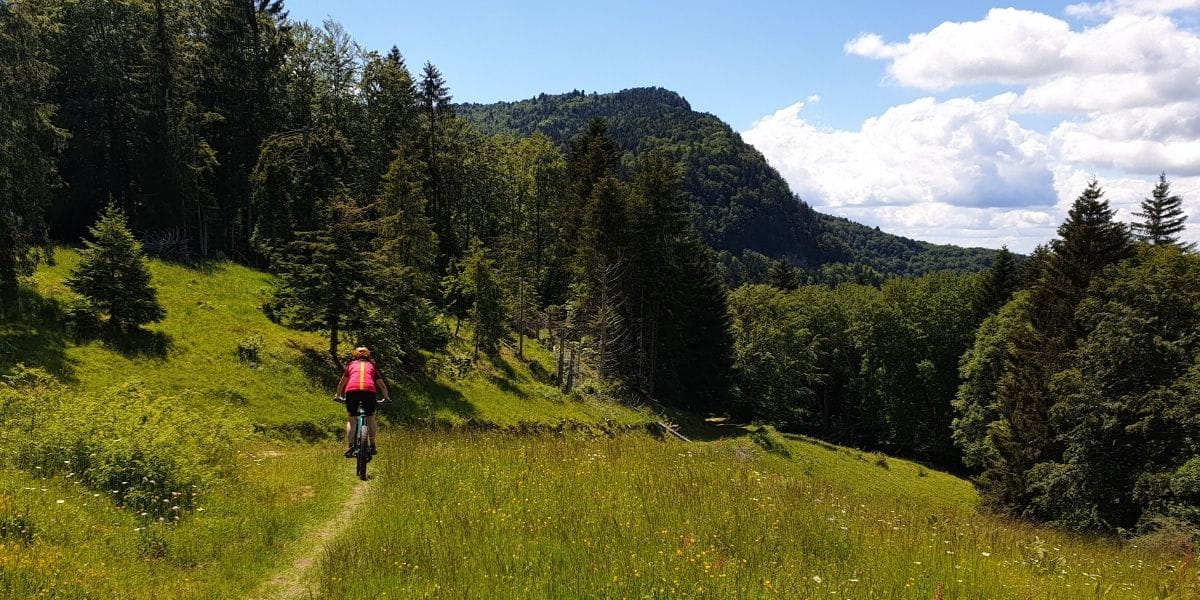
364	450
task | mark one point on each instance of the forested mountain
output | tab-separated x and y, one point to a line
740	202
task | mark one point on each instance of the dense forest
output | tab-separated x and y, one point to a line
612	227
741	205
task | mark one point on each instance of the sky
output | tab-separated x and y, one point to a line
960	122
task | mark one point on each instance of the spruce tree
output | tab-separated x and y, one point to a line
434	98
328	278
1162	216
600	269
113	276
30	143
1088	242
783	275
998	282
487	299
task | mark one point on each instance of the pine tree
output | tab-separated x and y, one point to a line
487	299
600	269
434	98
998	283
783	275
328	278
1088	242
113	276
1162	216
30	144
389	96
673	314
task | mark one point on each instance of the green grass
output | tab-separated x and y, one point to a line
82	546
467	504
88	547
485	515
193	353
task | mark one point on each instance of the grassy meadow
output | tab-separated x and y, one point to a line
179	470
257	437
481	515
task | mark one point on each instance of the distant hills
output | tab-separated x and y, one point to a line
740	202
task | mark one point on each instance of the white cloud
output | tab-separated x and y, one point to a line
1110	8
1128	61
962	170
960	152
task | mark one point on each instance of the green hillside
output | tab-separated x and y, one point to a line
518	492
741	202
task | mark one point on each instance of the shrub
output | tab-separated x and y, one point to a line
16	528
249	348
170	244
153	454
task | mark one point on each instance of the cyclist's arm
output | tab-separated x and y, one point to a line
379	383
341	387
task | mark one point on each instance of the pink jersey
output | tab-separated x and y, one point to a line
360	376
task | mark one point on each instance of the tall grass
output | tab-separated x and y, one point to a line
496	516
80	546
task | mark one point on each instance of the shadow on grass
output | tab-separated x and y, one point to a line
137	342
699	429
33	331
506	385
421	398
316	365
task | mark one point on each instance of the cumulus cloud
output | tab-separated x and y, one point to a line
960	152
1128	61
965	170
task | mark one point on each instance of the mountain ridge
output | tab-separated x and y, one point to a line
739	200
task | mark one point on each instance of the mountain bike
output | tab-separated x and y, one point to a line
362	441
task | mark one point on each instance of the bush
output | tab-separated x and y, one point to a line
249	348
153	454
169	244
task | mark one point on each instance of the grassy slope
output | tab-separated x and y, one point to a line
85	547
494	516
489	514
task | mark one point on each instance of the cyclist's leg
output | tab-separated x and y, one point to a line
371	405
352	400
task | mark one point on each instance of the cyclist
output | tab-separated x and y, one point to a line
361	384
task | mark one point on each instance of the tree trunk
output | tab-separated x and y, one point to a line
333	340
558	373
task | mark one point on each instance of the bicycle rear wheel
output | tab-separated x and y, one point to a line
364	449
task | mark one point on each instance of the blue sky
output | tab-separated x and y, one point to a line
738	60
962	122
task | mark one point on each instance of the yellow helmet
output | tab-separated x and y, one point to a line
361	352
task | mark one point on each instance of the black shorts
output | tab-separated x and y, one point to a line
367	399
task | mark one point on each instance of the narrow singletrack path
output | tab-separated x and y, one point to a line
289	583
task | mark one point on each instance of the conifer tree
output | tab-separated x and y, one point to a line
389	96
783	275
434	98
1162	216
600	270
113	276
998	282
1088	241
487	299
328	278
30	143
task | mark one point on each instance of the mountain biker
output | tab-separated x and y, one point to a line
361	384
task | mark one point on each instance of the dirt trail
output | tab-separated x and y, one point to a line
289	584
